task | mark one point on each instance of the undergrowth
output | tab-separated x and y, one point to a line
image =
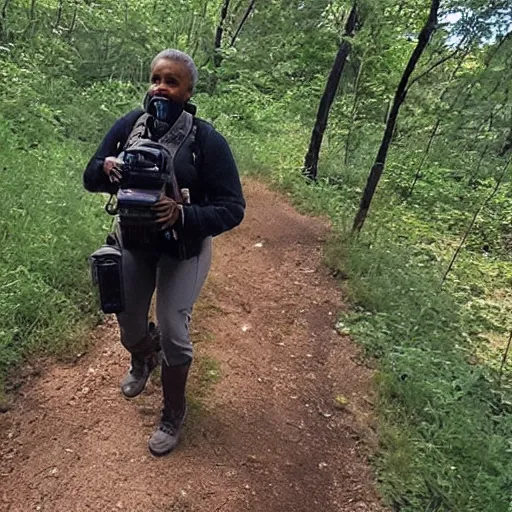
445	416
444	412
49	224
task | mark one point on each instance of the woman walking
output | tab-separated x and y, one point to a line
205	167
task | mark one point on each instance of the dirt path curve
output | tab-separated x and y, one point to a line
267	436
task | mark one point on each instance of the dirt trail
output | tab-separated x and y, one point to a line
267	436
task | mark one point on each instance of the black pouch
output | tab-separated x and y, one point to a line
136	219
107	275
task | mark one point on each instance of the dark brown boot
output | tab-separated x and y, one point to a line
167	435
145	358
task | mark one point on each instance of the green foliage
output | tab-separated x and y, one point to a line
48	223
445	421
446	424
46	293
68	70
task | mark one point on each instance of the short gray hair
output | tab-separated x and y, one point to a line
179	56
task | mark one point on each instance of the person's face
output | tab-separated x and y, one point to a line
172	80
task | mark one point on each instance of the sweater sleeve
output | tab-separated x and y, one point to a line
95	180
224	206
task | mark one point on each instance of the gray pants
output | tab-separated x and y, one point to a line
177	283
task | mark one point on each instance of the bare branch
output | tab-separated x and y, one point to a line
59	14
475	216
242	23
505	356
431	68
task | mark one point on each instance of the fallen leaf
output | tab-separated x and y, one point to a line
340	401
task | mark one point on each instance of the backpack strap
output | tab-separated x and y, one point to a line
173	139
139	131
178	134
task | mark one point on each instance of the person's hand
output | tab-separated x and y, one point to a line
167	212
112	168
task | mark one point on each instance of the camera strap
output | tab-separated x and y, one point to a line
178	134
110	207
173	139
181	132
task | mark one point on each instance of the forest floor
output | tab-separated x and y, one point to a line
280	403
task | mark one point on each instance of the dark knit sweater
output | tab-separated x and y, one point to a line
217	202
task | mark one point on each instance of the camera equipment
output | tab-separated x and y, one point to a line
147	174
107	274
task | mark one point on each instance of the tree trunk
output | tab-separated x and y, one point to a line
29	31
3	20
59	14
507	145
73	20
474	176
242	23
401	93
217	57
32	13
311	161
433	134
505	357
190	31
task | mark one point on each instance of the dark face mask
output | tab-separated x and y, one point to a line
163	109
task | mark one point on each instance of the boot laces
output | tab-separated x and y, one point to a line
168	428
171	424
